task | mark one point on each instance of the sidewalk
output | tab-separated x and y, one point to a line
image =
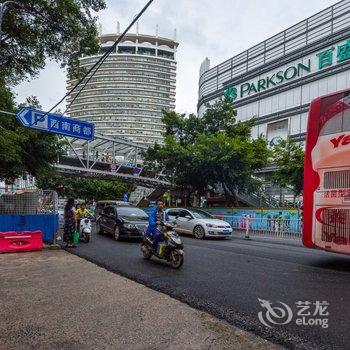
260	237
56	300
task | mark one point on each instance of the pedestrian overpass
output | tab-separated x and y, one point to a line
114	158
108	158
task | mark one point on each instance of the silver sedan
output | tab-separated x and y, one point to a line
198	223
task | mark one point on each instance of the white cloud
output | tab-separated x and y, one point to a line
217	29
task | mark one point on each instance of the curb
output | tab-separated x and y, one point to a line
290	242
51	246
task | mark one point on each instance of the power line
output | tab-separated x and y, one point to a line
93	69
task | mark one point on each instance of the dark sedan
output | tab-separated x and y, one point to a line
122	221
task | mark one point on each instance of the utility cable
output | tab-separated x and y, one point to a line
93	69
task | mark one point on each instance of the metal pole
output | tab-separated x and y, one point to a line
135	163
88	155
247	228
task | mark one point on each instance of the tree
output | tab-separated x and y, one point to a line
23	150
31	33
41	29
289	158
85	188
202	153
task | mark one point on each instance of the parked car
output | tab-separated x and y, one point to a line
100	205
198	223
122	221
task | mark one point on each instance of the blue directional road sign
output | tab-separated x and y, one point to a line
56	123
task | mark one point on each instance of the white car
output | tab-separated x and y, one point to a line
198	223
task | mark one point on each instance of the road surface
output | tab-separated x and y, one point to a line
228	277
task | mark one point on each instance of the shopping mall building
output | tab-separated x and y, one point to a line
275	80
127	95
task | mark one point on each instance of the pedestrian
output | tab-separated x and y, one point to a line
70	223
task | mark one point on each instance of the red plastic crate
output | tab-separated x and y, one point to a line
20	241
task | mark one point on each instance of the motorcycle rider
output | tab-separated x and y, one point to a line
156	216
82	213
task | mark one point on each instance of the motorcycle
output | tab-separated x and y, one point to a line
85	230
170	249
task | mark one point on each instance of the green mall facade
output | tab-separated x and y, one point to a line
275	80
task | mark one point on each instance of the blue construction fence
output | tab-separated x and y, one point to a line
264	219
46	223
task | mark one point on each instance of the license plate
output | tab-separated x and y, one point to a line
226	232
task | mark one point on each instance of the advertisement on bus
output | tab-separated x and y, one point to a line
326	211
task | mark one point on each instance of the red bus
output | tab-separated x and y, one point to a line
326	195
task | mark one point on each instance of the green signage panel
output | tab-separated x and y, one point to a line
324	59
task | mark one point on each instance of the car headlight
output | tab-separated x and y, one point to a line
129	226
212	225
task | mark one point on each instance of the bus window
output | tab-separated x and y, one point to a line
333	126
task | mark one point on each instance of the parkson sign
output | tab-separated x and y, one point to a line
275	79
324	59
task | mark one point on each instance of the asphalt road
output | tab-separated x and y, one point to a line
226	279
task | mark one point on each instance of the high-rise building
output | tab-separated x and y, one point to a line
128	93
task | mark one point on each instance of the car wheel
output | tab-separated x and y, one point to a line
117	233
98	228
198	232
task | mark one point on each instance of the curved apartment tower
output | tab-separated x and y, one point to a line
128	93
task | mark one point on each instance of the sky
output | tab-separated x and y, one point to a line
217	29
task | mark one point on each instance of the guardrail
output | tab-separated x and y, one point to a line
274	227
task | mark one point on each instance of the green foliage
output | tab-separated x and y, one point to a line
202	153
31	33
23	150
85	188
289	157
41	29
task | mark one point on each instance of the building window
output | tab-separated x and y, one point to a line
277	130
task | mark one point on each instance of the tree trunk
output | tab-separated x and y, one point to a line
235	198
188	198
231	198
